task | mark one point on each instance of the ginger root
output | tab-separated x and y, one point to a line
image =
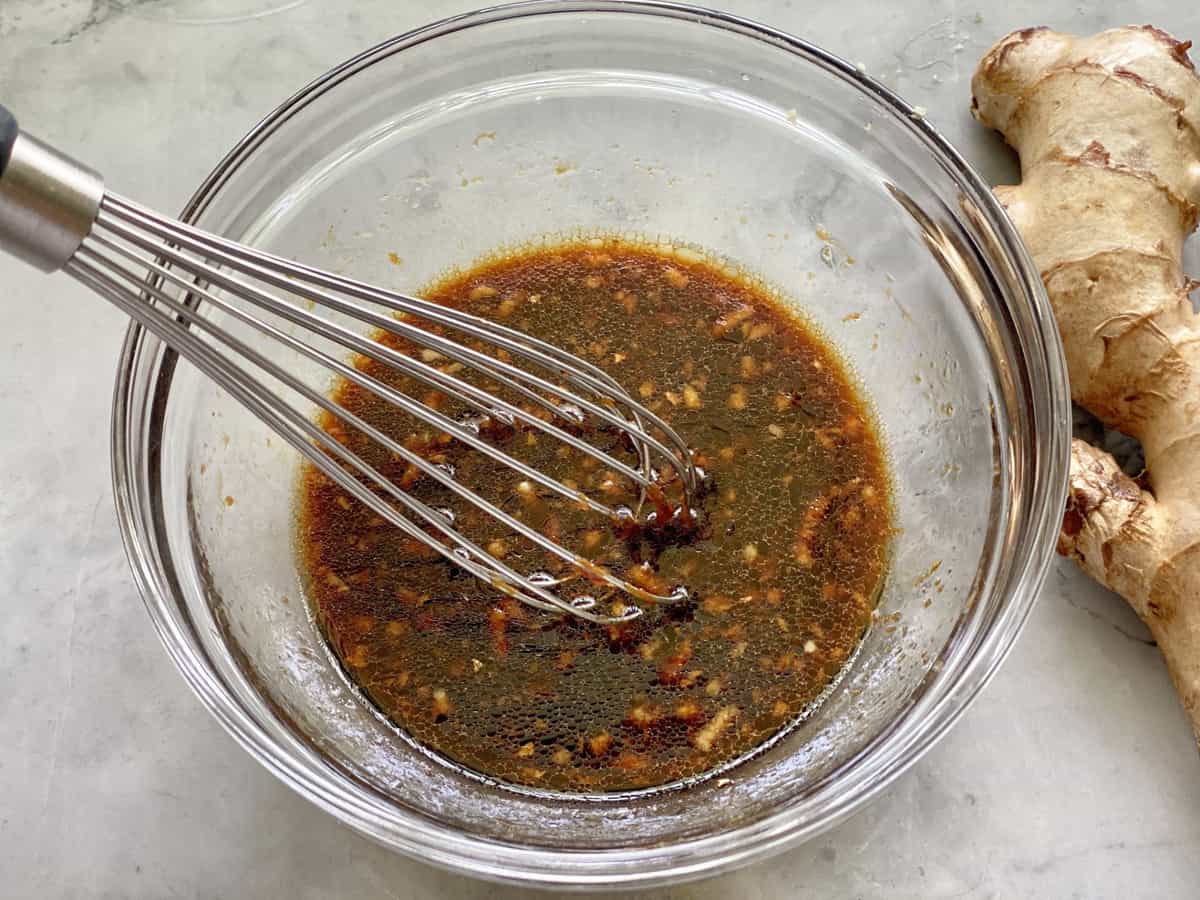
1108	131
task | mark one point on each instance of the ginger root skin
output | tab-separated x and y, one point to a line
1108	131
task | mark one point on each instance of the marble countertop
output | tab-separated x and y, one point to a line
1074	775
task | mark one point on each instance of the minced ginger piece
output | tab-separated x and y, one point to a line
704	739
599	744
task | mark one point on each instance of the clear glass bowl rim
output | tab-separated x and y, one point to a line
975	654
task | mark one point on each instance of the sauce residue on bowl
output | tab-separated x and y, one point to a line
785	569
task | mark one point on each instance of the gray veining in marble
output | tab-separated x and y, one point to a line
1075	775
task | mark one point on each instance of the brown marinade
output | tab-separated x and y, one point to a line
785	569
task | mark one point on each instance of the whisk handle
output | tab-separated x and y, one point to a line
48	202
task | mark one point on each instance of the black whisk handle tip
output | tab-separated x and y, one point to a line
8	136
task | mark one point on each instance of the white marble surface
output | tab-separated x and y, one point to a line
1075	775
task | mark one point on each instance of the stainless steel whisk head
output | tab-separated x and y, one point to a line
56	214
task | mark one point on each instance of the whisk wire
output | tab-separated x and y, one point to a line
113	260
382	390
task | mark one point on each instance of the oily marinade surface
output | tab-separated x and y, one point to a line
786	567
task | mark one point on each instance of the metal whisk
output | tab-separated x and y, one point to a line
56	214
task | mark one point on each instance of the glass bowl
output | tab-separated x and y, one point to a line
676	124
